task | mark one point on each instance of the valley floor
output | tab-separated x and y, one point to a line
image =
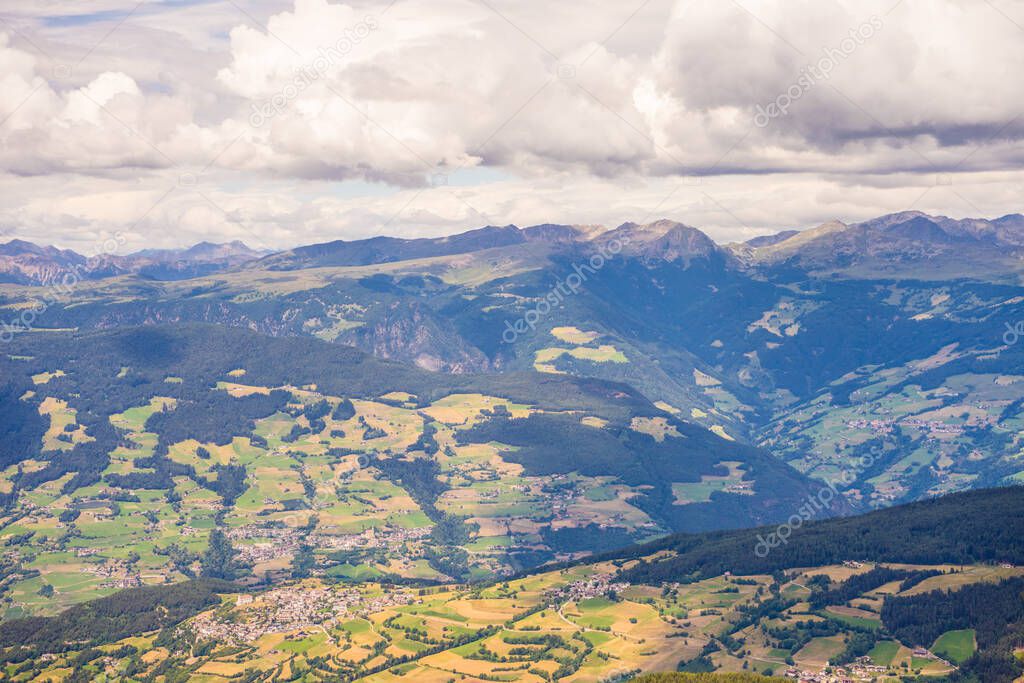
579	624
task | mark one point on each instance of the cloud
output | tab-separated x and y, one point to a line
788	93
77	211
107	124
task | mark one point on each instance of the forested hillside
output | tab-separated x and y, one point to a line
965	528
156	454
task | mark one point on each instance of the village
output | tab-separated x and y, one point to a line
861	670
292	609
882	427
595	586
265	543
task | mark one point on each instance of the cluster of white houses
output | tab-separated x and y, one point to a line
291	609
584	589
264	543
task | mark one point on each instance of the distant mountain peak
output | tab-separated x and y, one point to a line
375	250
638	233
662	240
910	242
18	246
24	262
682	243
897	217
768	240
494	230
658	227
235	249
553	233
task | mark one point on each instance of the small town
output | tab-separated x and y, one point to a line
861	670
595	586
291	609
881	427
270	543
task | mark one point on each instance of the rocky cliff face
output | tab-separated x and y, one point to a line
405	331
412	333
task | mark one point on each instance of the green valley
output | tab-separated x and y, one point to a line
592	621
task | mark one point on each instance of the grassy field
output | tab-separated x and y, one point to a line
544	359
525	630
956	646
884	652
321	485
700	492
854	617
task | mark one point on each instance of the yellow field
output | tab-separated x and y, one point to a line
573	335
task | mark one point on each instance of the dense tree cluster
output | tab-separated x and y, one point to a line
21	425
420	478
220	560
994	610
214	416
106	620
858	584
970	527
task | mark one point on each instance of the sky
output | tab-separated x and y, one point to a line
287	122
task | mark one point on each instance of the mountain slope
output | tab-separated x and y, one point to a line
138	441
910	387
391	249
985	526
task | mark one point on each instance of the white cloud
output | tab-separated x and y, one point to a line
568	99
77	211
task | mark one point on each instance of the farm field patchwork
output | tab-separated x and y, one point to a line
581	624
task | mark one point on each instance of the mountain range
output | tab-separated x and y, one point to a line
855	350
26	263
900	244
896	244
